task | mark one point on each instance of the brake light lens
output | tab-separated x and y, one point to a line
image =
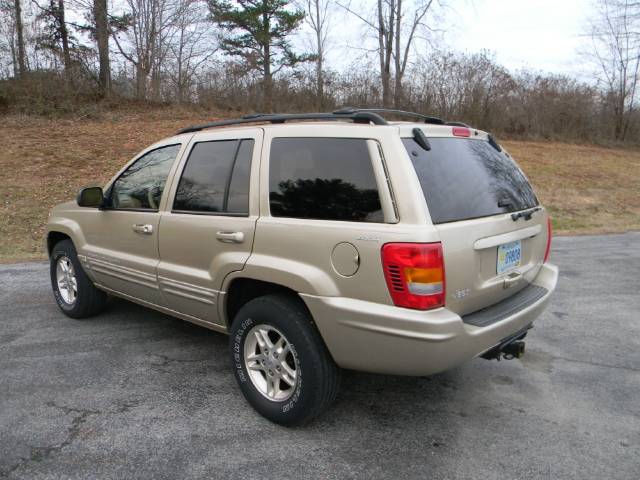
549	235
415	274
461	132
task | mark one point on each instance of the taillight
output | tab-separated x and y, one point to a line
415	274
549	233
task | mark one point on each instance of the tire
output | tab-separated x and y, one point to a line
317	377
88	300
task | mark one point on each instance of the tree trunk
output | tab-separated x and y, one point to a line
320	60
389	52
14	57
619	121
155	84
385	43
102	37
381	52
267	81
397	93
21	63
320	81
64	35
141	82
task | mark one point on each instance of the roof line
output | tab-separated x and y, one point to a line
356	115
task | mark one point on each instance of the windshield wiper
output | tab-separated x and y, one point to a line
526	214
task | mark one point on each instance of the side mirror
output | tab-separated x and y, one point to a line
90	197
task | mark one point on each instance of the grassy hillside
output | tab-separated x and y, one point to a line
588	189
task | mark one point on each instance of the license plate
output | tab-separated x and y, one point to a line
509	256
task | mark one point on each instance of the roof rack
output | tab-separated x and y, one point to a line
356	116
458	124
391	111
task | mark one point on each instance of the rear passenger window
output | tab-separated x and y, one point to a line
324	179
216	178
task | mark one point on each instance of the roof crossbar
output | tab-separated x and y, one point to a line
355	116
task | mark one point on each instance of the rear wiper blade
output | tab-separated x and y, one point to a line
421	139
526	214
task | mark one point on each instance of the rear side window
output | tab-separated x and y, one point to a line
464	178
324	179
216	178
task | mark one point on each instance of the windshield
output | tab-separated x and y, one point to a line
463	178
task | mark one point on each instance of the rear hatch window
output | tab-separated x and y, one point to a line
464	178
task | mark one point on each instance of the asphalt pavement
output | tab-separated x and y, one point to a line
136	394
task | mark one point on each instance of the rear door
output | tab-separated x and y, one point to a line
472	190
207	229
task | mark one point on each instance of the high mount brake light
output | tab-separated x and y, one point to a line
461	131
549	235
415	274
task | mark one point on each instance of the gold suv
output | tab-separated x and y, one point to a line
317	242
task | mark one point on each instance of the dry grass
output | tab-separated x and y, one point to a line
588	189
43	162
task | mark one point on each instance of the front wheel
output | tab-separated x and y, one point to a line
74	292
280	361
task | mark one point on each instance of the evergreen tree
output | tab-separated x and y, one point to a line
258	32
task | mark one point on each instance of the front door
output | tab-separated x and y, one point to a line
122	239
207	228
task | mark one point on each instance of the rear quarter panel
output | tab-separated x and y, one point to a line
297	252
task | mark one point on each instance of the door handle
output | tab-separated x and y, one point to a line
145	229
230	237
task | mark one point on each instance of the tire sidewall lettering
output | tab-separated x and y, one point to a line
238	343
290	403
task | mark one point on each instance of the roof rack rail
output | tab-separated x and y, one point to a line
356	116
391	111
458	124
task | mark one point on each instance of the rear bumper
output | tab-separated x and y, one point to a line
379	338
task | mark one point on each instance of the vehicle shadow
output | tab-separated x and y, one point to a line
365	395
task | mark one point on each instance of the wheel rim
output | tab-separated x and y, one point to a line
66	280
271	365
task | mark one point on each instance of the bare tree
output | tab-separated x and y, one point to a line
64	37
8	36
149	21
55	36
100	16
615	40
383	27
386	24
396	33
190	47
401	52
318	20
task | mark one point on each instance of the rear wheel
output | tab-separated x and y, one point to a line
280	361
74	292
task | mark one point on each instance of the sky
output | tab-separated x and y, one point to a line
541	35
